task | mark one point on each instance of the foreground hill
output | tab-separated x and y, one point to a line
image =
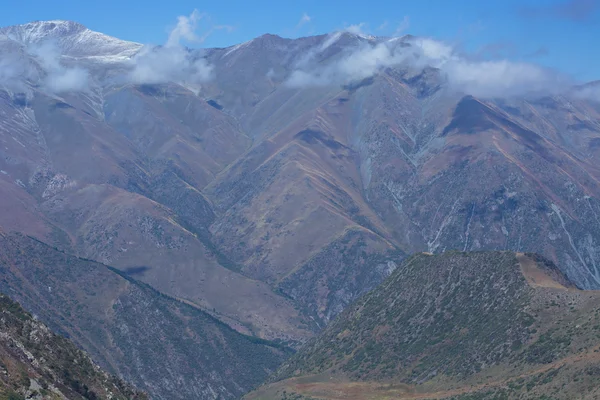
455	325
165	347
37	364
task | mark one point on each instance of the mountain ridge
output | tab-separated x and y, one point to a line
127	326
73	38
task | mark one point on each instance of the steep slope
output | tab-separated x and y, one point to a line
251	82
451	172
294	199
165	347
37	364
168	123
455	325
423	151
167	147
124	187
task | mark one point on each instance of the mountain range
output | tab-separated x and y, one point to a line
266	186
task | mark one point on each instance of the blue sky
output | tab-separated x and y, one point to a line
561	34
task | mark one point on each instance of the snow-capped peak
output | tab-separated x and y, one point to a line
233	49
363	36
73	39
38	31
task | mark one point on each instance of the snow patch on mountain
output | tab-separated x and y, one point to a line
233	49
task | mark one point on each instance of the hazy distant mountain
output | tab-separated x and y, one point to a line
273	182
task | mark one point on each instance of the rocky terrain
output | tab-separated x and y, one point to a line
272	183
456	325
165	347
38	364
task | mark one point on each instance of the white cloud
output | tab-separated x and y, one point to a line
479	78
366	62
38	64
305	19
173	62
185	30
500	78
331	39
355	65
357	29
169	64
13	72
68	80
304	62
487	78
588	92
59	78
433	50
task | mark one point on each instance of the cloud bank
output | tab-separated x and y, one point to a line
59	78
154	65
590	91
461	73
39	64
173	62
500	78
14	71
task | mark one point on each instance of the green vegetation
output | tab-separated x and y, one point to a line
428	318
481	325
547	348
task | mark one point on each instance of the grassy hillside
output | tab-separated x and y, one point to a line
456	325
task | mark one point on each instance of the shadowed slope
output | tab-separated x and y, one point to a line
37	364
170	349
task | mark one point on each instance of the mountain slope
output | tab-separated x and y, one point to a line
456	324
166	347
455	172
37	364
124	188
297	197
